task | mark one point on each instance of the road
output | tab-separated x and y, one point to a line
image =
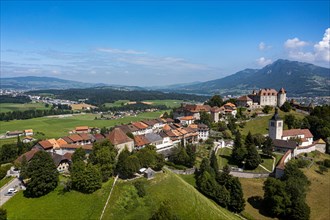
4	190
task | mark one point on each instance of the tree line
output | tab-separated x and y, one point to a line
285	198
14	99
99	96
87	173
27	114
135	107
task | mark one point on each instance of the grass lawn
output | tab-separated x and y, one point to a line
58	127
7	107
59	205
225	157
184	199
267	162
318	196
116	103
260	124
170	103
251	188
203	150
5	180
8	141
189	179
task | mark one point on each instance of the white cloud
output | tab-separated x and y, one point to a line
319	54
264	46
262	61
119	51
322	49
295	43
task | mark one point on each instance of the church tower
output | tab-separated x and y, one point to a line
281	97
275	127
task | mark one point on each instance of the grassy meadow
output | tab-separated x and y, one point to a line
56	126
184	199
170	103
317	198
7	107
260	124
59	205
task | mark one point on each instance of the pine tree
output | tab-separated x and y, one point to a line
43	175
252	159
239	151
268	146
214	162
249	139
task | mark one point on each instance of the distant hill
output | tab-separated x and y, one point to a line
36	83
299	79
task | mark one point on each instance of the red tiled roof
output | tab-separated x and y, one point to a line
98	136
82	128
76	146
244	98
61	141
166	127
141	140
296	132
187	118
117	136
67	139
28	155
67	156
267	92
45	144
85	137
75	137
215	109
281	164
140	125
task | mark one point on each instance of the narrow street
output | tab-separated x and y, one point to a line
3	198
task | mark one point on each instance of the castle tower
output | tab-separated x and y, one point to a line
281	97
275	127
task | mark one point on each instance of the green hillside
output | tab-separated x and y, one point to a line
186	202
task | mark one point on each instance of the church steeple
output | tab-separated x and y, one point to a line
275	127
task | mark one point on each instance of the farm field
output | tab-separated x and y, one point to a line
260	124
59	205
56	126
170	103
185	201
7	107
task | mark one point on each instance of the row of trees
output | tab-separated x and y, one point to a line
7	116
14	99
129	163
246	153
9	152
285	197
105	95
184	156
138	106
223	188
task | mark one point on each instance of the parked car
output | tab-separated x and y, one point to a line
12	190
9	194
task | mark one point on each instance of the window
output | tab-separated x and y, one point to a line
272	124
280	124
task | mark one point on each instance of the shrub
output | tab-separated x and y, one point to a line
139	186
327	163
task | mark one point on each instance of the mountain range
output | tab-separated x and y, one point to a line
298	78
40	83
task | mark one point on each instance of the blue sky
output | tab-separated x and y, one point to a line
158	42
